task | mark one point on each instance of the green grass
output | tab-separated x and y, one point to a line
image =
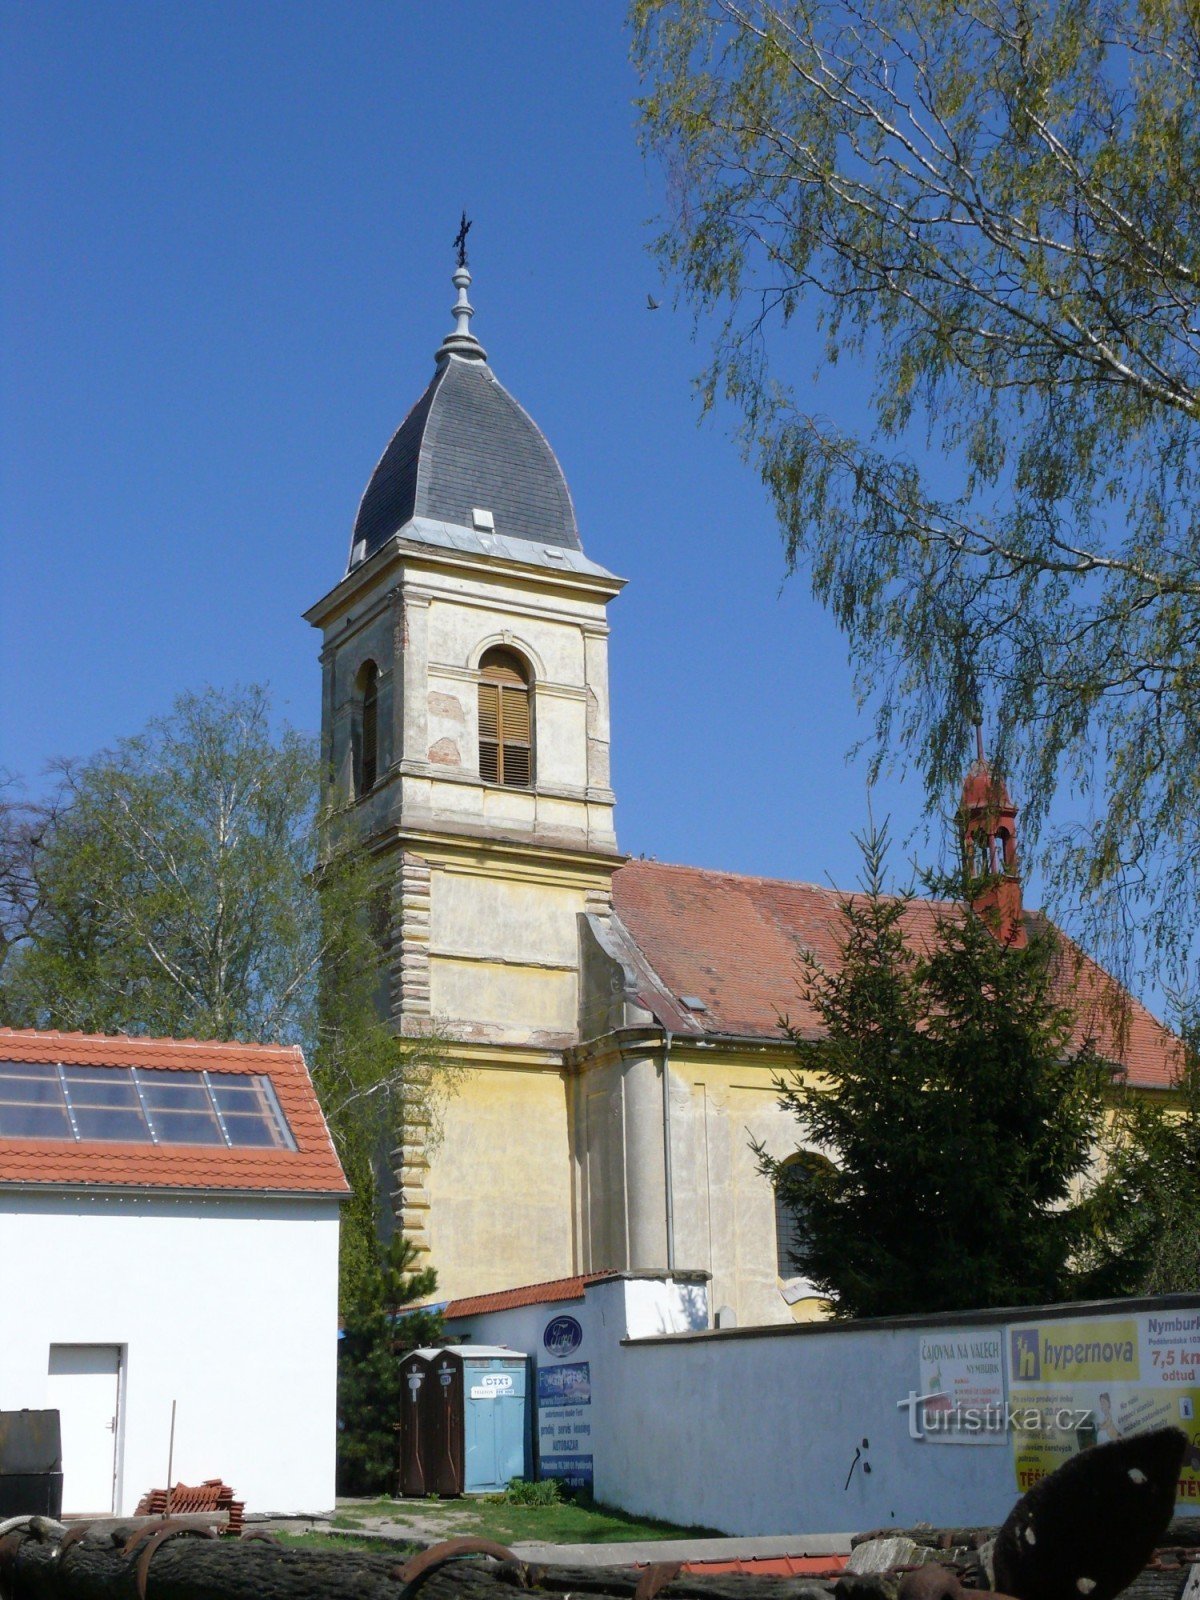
347	1541
569	1523
494	1518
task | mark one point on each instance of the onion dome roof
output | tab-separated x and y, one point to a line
468	455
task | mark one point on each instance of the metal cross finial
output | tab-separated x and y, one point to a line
460	239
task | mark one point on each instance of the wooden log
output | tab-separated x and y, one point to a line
193	1568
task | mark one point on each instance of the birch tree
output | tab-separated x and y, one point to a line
188	883
976	222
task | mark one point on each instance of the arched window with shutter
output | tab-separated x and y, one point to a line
368	726
505	720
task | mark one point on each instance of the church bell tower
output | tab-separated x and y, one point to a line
465	728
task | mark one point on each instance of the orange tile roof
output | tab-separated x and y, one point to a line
312	1168
532	1294
830	1566
735	943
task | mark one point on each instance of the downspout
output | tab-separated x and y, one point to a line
669	1183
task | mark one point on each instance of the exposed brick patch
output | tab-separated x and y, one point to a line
447	705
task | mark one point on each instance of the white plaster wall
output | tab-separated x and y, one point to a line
756	1435
227	1306
609	1312
523	923
755	1432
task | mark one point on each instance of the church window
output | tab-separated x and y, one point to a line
505	720
794	1179
368	733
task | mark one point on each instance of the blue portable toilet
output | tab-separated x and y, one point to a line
497	1417
473	1427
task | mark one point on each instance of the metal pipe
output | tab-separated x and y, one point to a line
668	1179
170	1462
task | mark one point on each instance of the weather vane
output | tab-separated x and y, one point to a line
460	240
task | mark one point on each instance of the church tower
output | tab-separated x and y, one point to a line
465	726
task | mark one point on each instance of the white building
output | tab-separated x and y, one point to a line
169	1231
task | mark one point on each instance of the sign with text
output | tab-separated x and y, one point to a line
1073	1384
562	1336
962	1386
565	1423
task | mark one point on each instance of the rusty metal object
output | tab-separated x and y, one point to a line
158	1537
72	1536
934	1581
413	1572
10	1543
655	1577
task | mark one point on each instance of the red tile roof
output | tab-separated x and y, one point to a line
830	1566
312	1168
735	943
533	1294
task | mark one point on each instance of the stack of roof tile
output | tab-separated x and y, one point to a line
186	1500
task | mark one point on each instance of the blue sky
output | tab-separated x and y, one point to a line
228	267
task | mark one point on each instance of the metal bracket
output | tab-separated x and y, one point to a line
155	1536
655	1577
413	1572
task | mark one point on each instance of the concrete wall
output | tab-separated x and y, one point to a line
226	1306
758	1434
633	1306
774	1430
808	1428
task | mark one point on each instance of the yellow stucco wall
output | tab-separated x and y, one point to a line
724	1209
499	1185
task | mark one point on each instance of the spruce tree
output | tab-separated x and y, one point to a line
948	1114
378	1333
1145	1213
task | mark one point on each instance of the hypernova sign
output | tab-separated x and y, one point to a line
1115	1376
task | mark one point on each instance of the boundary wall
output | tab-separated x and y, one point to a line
838	1427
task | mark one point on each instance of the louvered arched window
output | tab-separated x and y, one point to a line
505	720
368	727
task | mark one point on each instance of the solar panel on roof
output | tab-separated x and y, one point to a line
139	1105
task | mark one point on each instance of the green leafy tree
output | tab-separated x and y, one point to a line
378	1332
954	1110
1145	1214
187	882
988	217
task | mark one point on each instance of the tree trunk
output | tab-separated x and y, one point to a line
191	1568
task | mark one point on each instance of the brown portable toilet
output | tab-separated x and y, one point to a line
444	1423
413	1478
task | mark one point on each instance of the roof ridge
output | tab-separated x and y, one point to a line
758	877
187	1042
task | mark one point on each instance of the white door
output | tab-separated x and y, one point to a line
85	1389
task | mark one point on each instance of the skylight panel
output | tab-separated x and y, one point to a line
103	1104
250	1111
32	1105
140	1105
179	1107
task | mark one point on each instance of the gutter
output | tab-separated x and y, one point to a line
668	1176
